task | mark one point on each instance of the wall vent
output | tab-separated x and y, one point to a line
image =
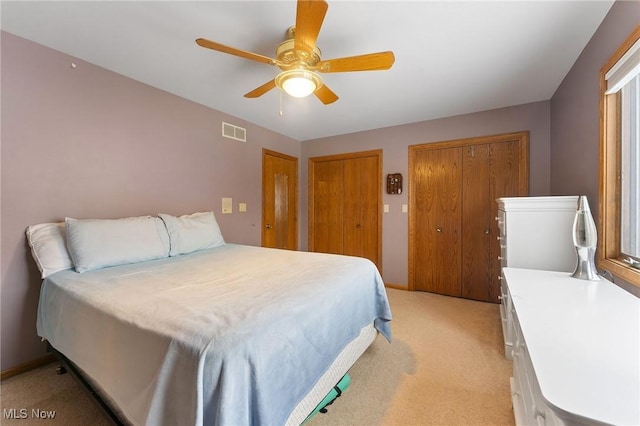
234	132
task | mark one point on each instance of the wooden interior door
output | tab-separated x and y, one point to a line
466	262
279	200
436	213
509	177
477	219
361	207
345	204
327	208
490	171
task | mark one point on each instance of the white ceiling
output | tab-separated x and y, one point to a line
452	57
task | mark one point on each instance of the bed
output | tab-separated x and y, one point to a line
222	334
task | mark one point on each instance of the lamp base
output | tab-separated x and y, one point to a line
586	267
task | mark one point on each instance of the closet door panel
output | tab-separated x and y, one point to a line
370	187
504	181
437	240
328	213
345	204
477	221
453	245
352	208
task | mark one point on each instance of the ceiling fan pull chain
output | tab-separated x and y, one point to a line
280	103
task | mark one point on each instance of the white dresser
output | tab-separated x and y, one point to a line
576	350
535	233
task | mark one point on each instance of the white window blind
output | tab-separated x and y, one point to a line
624	70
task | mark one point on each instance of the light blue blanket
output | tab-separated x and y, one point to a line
234	335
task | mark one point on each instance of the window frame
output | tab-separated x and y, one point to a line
609	255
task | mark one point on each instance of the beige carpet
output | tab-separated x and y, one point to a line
445	366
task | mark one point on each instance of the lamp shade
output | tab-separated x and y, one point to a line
585	239
298	83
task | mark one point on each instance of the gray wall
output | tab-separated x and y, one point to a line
394	141
87	142
575	125
575	108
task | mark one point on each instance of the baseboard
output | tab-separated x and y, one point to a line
14	371
396	286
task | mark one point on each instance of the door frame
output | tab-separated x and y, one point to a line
521	137
311	192
269	153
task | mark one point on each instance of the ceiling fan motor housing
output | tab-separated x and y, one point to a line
289	58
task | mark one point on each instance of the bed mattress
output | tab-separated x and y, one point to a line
230	335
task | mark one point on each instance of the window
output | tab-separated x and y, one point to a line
630	168
619	227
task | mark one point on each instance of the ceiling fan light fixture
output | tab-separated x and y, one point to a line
298	83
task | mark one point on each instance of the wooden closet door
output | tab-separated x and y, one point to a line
477	219
487	167
507	179
345	204
328	211
361	207
436	204
490	171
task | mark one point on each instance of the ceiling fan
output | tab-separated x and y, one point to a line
299	60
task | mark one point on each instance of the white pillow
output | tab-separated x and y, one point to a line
98	243
48	248
193	232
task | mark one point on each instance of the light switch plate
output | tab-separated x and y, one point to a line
242	207
386	208
227	205
405	208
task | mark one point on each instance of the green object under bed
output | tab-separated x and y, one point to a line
334	393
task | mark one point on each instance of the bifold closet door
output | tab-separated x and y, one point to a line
477	219
328	211
490	171
438	214
453	185
361	205
345	204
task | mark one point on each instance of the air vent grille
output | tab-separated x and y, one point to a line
234	132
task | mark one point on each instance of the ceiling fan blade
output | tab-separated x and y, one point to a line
369	62
233	51
255	93
325	95
309	17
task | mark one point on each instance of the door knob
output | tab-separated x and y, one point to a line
486	231
438	229
268	226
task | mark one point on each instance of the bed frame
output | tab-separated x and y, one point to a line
341	365
67	366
